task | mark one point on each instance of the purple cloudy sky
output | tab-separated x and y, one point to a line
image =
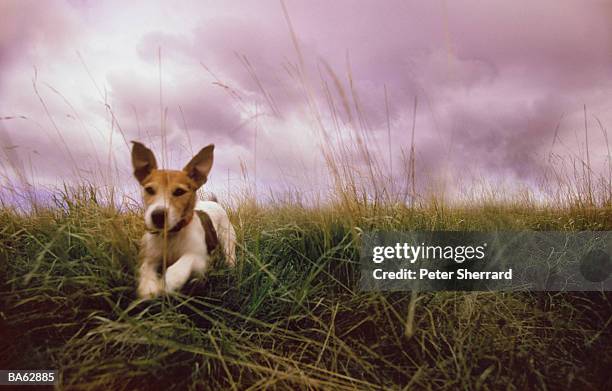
493	80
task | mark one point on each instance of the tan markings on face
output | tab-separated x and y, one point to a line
170	192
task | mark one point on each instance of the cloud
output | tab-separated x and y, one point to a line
492	81
32	31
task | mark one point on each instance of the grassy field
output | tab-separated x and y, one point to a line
289	316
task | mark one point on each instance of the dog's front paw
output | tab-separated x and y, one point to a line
174	281
149	288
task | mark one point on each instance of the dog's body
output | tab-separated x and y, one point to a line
181	232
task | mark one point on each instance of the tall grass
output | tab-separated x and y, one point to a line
289	316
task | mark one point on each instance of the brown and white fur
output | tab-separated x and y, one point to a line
172	225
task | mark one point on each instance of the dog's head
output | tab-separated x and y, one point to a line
169	195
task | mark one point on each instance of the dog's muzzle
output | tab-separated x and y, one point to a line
158	218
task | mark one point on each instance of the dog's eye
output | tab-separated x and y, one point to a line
150	190
178	192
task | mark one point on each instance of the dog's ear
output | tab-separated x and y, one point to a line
143	161
199	167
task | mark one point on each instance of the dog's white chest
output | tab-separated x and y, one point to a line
189	240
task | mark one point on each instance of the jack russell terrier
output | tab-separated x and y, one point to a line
181	231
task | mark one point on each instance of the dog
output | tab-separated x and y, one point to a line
181	232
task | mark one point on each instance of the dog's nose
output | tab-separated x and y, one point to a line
158	217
